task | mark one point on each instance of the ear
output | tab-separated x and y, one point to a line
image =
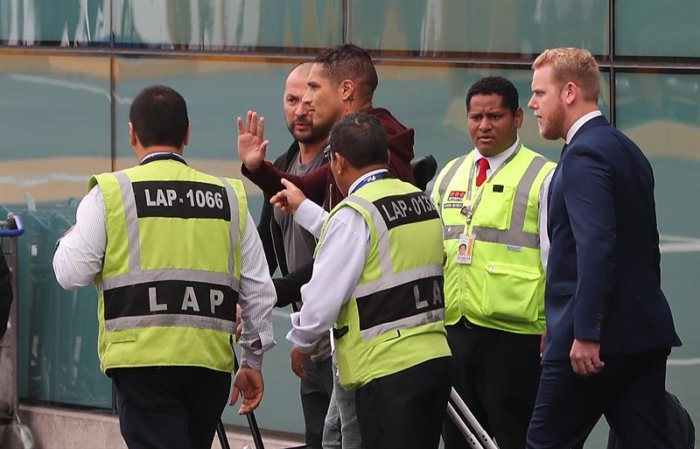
341	164
348	90
133	138
519	118
187	136
570	92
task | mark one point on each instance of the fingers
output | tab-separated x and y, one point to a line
250	403
254	124
263	146
234	395
298	369
279	200
261	127
288	184
239	122
587	366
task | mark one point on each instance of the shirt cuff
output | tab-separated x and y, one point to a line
311	217
251	359
300	343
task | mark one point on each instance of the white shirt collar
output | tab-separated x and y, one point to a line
366	175
579	123
148	156
497	160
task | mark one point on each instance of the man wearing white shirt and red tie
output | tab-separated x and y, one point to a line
380	288
492	202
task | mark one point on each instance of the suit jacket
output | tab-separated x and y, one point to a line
604	275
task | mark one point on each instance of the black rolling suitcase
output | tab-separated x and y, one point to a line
682	429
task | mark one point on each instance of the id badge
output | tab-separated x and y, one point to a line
465	249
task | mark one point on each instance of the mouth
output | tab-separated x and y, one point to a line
486	139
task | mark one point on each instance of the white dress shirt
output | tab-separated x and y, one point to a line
80	254
579	123
338	266
494	163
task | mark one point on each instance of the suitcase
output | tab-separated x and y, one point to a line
681	426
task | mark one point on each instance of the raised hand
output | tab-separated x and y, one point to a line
251	140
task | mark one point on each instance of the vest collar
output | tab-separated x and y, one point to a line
162	156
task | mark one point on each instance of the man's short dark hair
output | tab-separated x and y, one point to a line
496	85
361	139
159	117
348	61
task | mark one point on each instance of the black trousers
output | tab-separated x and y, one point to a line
170	407
316	393
630	392
497	374
405	410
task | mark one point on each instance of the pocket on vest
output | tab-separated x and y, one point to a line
511	293
495	207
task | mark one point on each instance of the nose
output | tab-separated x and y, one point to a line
301	109
531	104
306	99
484	123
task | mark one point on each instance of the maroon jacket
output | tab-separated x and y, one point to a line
319	185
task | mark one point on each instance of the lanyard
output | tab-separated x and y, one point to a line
468	209
370	178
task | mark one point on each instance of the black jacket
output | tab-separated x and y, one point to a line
288	287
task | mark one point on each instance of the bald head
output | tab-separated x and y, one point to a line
296	114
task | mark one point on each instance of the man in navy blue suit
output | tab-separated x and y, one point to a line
609	325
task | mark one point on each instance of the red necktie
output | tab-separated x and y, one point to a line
483	166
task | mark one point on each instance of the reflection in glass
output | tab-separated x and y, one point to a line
466	26
662	111
653	28
440	118
56	133
65	23
217	24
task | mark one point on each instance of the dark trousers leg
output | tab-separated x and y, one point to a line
170	407
316	393
497	374
629	391
405	410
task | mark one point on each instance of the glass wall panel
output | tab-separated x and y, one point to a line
215	24
661	113
55	123
54	22
502	26
653	28
432	100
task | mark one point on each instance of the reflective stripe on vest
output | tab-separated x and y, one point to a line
390	291
442	188
515	235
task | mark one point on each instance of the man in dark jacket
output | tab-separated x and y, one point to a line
289	247
341	81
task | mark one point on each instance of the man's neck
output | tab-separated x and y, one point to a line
309	151
358	106
145	152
